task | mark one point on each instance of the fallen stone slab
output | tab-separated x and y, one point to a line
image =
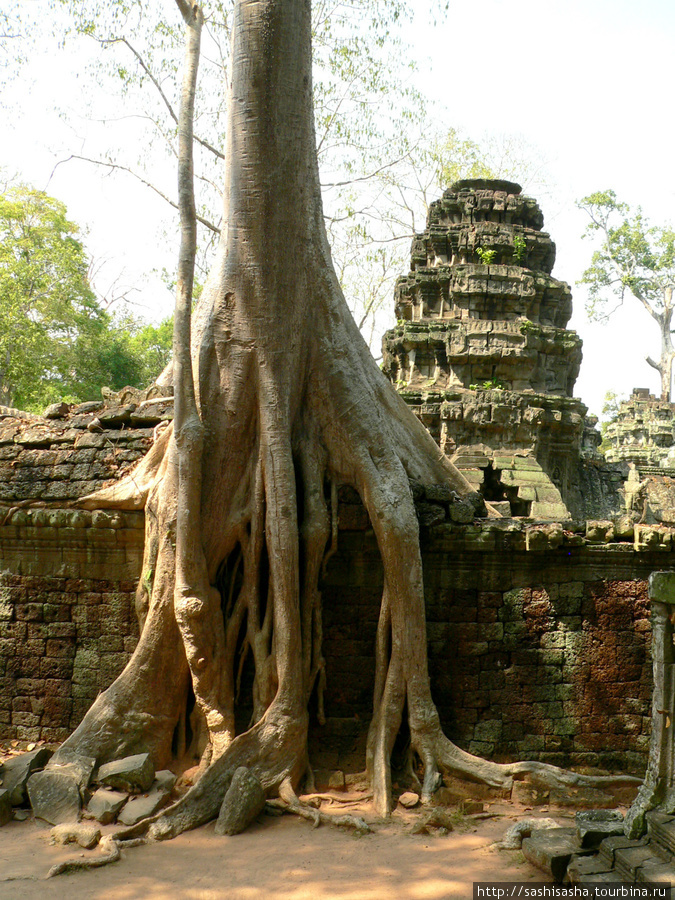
5	807
18	769
105	805
552	850
134	774
68	762
594	825
138	808
243	802
164	780
86	836
54	796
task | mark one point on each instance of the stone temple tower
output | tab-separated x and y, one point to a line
481	350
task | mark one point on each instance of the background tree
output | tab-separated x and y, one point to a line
380	153
56	339
635	258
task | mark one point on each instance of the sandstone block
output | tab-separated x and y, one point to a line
78	766
18	770
5	807
105	805
551	850
133	773
54	796
138	808
594	825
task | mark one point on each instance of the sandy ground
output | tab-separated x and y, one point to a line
280	858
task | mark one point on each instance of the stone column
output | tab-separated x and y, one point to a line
658	788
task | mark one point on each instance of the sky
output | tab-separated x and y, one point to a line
587	84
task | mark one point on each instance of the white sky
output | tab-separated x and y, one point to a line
588	82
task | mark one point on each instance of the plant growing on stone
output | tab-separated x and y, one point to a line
633	258
278	403
485	256
519	247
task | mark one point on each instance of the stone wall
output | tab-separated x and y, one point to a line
560	672
67	620
538	638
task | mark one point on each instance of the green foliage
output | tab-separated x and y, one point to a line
610	412
492	384
610	407
505	156
485	256
633	256
519	247
56	340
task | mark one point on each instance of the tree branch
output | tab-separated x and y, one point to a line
113	166
108	41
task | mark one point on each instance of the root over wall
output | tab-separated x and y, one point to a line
539	653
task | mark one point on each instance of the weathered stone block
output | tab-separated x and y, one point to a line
105	805
662	587
18	769
5	807
551	850
54	796
133	773
78	766
138	808
594	825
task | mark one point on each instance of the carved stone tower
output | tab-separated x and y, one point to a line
481	350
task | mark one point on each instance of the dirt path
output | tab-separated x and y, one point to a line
276	859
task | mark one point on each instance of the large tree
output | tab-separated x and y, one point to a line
240	495
633	258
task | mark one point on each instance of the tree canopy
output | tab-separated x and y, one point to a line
56	339
634	258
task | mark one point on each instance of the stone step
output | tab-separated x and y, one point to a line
657	872
662	830
629	860
610	845
551	850
580	867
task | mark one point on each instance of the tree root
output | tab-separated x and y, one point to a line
316	817
332	799
112	852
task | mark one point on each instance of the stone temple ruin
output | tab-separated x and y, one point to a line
643	432
538	621
482	353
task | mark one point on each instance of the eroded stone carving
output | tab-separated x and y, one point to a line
481	350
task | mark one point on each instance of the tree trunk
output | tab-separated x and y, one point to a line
293	404
664	366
